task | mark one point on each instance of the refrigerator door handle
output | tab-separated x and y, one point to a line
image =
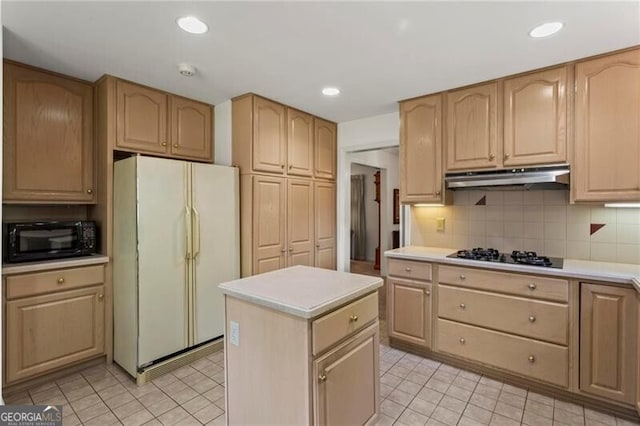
187	218
196	232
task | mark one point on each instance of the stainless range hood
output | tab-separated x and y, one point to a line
547	177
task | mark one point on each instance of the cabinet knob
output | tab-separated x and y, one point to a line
175	145
282	250
322	377
407	269
463	306
491	157
438	192
462	341
506	156
100	296
290	248
532	319
60	280
463	277
532	286
163	144
282	166
353	318
427	292
532	359
89	191
317	245
290	166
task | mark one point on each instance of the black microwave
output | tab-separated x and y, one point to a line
29	241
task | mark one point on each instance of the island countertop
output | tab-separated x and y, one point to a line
302	291
620	273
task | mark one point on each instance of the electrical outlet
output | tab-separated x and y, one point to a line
440	224
234	333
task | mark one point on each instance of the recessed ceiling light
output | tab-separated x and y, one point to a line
331	91
192	25
546	29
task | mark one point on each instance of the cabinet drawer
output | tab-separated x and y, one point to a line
539	360
520	285
337	325
410	269
50	281
526	317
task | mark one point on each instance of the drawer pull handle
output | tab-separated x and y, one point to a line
532	359
462	341
100	296
463	306
462	277
427	292
322	377
532	319
60	280
407	269
532	286
353	318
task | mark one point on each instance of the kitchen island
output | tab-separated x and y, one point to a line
301	347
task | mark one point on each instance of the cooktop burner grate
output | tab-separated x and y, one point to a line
530	258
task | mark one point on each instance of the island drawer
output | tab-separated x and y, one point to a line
410	269
538	319
539	360
338	324
50	281
516	284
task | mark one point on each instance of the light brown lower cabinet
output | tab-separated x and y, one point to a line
47	332
410	318
608	345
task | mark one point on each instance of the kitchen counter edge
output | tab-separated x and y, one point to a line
619	273
23	268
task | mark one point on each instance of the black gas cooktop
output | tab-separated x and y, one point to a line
530	258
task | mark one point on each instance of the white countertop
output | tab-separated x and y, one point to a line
302	291
21	268
621	273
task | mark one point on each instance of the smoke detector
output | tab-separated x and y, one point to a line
187	70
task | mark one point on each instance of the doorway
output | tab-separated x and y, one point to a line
365	220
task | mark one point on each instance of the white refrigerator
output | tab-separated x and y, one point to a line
176	237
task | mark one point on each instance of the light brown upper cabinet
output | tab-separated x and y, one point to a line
535	118
191	128
421	150
325	151
473	137
325	224
269	133
299	143
607	132
48	138
608	347
153	122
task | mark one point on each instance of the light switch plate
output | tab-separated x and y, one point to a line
234	333
440	224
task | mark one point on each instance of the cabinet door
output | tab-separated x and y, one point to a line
299	143
410	308
269	136
269	223
421	149
52	331
325	229
191	129
325	149
48	138
346	382
608	352
607	120
300	223
141	119
535	118
472	128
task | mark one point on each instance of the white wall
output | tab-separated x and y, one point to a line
222	131
365	134
371	207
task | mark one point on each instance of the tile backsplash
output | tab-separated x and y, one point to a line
536	220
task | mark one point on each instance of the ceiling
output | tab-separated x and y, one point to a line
376	52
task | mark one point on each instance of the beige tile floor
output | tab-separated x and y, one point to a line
414	391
